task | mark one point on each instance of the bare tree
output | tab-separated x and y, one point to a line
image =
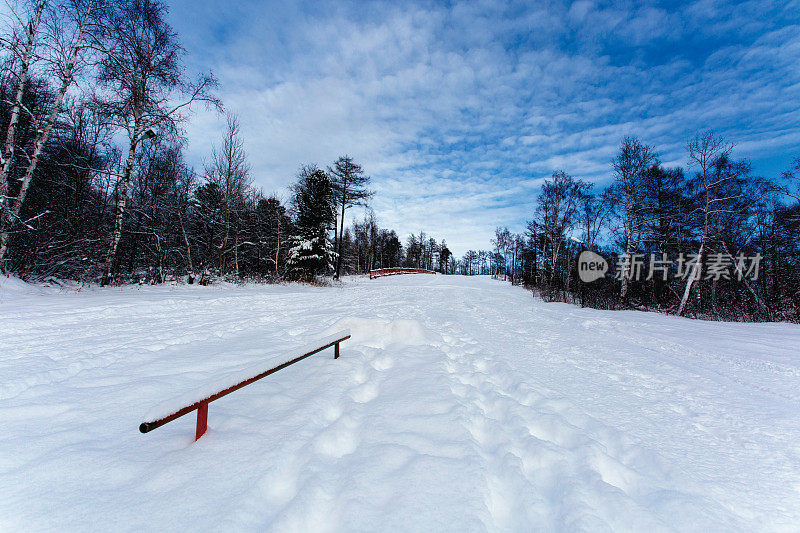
727	201
518	243
791	175
501	243
595	212
275	222
559	202
141	71
22	48
183	181
705	152
630	176
65	28
230	171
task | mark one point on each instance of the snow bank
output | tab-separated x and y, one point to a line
12	288
384	333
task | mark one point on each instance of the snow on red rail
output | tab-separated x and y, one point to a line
199	400
380	272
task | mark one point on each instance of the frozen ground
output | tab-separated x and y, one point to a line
460	404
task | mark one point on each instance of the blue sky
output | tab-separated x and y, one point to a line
459	110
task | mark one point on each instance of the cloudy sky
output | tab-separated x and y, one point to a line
459	110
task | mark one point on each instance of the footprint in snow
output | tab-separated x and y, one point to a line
338	439
333	413
361	375
364	393
383	363
279	486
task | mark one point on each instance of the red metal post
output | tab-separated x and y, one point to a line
202	420
202	406
380	272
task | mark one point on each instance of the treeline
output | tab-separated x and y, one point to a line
367	247
94	185
711	240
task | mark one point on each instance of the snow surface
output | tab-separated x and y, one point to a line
459	404
222	380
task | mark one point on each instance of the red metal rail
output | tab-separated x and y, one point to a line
380	272
202	405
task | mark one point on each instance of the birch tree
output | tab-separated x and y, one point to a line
727	202
230	171
141	75
595	212
22	44
182	183
501	242
705	152
558	211
63	31
276	226
630	165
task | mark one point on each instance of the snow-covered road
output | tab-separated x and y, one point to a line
460	404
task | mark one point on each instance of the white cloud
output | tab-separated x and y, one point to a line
458	112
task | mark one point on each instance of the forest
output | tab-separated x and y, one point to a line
95	187
711	241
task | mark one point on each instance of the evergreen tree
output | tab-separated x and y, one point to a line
310	252
350	187
444	257
274	229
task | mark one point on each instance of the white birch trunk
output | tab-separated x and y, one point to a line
688	289
122	196
42	135
6	215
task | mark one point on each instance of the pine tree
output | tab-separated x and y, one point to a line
350	186
310	253
274	229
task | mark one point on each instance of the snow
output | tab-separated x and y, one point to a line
230	378
459	404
